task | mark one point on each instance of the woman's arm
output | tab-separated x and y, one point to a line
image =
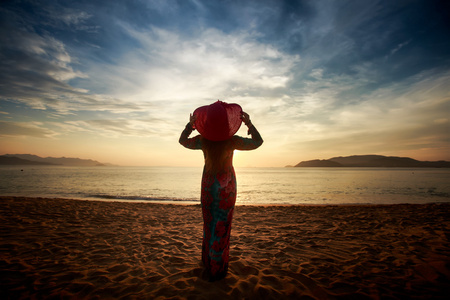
191	143
241	143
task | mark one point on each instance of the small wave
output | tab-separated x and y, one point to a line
139	198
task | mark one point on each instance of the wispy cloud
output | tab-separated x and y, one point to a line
168	66
117	127
21	129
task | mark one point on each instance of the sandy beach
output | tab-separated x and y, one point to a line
54	248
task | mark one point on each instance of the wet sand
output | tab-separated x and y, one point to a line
110	250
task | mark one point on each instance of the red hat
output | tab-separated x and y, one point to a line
218	121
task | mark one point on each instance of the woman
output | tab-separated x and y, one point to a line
218	191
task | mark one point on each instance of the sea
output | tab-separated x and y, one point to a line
276	186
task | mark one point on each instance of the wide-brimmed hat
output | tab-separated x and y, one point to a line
218	121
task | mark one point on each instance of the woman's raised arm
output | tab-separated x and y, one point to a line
191	143
241	143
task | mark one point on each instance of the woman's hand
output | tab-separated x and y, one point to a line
246	119
192	119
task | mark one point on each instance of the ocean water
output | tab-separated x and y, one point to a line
255	185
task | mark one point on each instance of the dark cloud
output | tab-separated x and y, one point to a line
33	68
37	69
398	38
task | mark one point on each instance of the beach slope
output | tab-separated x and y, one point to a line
112	250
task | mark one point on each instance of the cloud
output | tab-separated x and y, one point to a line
168	66
31	129
36	69
122	127
117	128
60	17
164	65
393	40
69	17
404	116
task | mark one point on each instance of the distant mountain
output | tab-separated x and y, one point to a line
5	160
319	163
28	159
379	161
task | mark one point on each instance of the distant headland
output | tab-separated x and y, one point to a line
373	161
29	159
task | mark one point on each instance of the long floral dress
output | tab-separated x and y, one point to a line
218	197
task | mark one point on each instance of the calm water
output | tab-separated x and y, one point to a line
255	185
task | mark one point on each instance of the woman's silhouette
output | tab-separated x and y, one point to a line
217	124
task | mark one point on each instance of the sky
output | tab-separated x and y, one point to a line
115	81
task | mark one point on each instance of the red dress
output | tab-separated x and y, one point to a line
218	197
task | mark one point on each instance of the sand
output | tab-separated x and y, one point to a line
54	248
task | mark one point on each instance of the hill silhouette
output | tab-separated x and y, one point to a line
373	161
6	160
29	159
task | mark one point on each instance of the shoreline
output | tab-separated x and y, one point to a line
197	203
108	249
